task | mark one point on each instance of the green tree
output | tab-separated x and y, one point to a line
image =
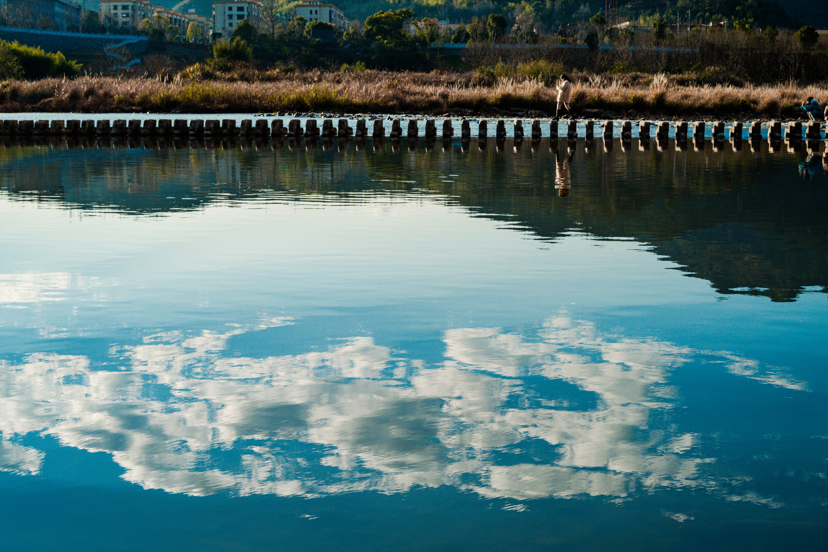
770	35
46	24
296	28
91	23
245	31
193	31
10	67
461	35
319	26
807	37
659	28
387	26
598	21
227	52
496	26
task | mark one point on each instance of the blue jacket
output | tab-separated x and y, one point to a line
814	108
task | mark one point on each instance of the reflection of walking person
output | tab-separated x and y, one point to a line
564	87
562	180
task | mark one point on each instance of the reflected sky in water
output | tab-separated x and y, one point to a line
343	326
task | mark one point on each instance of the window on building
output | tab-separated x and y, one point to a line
114	8
240	8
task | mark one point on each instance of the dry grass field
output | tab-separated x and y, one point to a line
627	96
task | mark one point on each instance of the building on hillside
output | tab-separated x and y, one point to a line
129	13
229	13
176	18
61	15
200	20
317	11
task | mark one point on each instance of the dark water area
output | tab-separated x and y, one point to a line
369	345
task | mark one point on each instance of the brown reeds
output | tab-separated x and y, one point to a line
395	92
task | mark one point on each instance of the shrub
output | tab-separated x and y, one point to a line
37	64
621	67
10	67
357	67
229	53
541	70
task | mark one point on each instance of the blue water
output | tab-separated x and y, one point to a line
258	348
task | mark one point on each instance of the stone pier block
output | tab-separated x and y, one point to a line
344	129
536	130
379	129
311	130
294	129
10	128
448	130
229	128
430	129
246	127
775	131
197	127
518	130
500	131
755	130
41	128
150	128
412	128
134	127
698	130
644	130
589	130
465	129
26	128
608	130
164	127
277	129
88	127
212	127
794	131
626	130
483	129
328	130
261	128
736	131
812	131
361	129
396	128
180	127
57	128
103	128
73	127
572	130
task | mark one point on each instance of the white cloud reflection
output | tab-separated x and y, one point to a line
181	417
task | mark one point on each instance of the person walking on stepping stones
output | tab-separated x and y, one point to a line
564	87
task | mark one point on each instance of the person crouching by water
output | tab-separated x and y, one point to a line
564	87
813	109
562	180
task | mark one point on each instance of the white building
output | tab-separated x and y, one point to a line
128	13
229	13
317	11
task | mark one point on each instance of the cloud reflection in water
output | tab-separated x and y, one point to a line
181	417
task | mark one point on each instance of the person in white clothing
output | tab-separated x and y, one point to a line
564	95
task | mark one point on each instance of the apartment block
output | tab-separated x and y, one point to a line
317	11
229	13
128	14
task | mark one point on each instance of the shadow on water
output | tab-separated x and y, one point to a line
747	216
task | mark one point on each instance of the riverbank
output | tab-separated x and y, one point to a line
414	93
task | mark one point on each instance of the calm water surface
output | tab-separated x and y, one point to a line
371	348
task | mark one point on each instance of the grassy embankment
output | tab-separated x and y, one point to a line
390	92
